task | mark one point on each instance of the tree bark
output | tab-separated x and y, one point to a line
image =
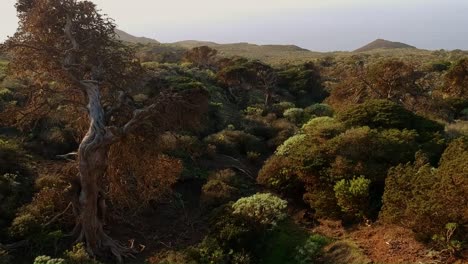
267	97
92	161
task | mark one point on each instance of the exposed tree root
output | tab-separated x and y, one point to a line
92	234
105	245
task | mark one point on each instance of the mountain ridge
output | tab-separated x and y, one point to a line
126	37
383	44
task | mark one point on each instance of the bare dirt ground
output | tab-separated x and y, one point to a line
378	243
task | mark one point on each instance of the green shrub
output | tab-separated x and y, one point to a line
10	196
303	82
280	245
422	198
369	152
231	240
318	110
221	187
323	127
386	114
13	158
232	142
446	241
326	153
48	260
210	252
280	107
241	258
441	66
353	196
78	255
262	209
311	250
283	130
279	173
321	198
253	111
292	145
295	115
15	180
31	221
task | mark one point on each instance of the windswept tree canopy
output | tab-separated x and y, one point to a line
65	41
202	56
58	45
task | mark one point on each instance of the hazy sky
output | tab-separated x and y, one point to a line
321	25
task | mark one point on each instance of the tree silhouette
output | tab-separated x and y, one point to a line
203	56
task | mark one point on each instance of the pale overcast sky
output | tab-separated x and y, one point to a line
321	25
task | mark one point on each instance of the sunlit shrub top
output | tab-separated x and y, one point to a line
262	208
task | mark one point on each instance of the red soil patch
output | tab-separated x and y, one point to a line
384	243
390	244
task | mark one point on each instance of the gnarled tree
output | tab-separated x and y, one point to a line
70	53
203	56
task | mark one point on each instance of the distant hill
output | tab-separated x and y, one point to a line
271	53
153	50
252	51
124	36
384	44
189	44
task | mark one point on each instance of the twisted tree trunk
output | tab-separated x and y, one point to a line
90	204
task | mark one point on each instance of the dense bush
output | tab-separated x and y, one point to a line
138	173
317	110
328	155
13	158
238	229
77	255
296	115
224	186
323	128
15	180
353	196
269	128
311	250
235	142
281	107
48	260
386	114
304	82
261	209
36	221
278	173
422	198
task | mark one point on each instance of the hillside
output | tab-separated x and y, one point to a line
124	36
237	46
189	44
273	54
384	44
269	53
